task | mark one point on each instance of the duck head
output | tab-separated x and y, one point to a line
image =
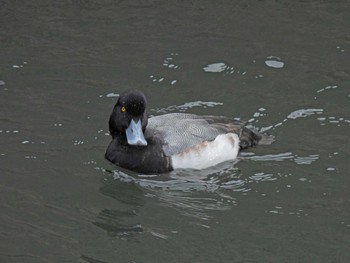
128	119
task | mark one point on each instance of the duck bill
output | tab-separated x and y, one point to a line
134	134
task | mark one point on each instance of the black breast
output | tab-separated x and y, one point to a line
149	159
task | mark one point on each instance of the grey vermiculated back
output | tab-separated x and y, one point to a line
180	131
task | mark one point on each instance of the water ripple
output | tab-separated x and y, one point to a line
326	88
281	157
302	113
269	157
215	67
170	63
306	159
274	62
188	105
262	177
222	67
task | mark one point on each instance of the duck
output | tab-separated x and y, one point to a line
160	144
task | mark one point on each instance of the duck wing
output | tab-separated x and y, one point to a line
180	131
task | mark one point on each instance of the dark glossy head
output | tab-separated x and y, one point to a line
128	119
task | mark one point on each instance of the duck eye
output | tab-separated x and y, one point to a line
123	109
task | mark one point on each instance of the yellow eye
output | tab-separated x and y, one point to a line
123	109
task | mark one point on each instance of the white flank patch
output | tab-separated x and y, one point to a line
224	148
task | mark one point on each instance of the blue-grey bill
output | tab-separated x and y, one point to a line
134	134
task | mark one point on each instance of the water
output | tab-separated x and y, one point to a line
282	66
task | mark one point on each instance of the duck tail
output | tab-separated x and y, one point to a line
250	138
